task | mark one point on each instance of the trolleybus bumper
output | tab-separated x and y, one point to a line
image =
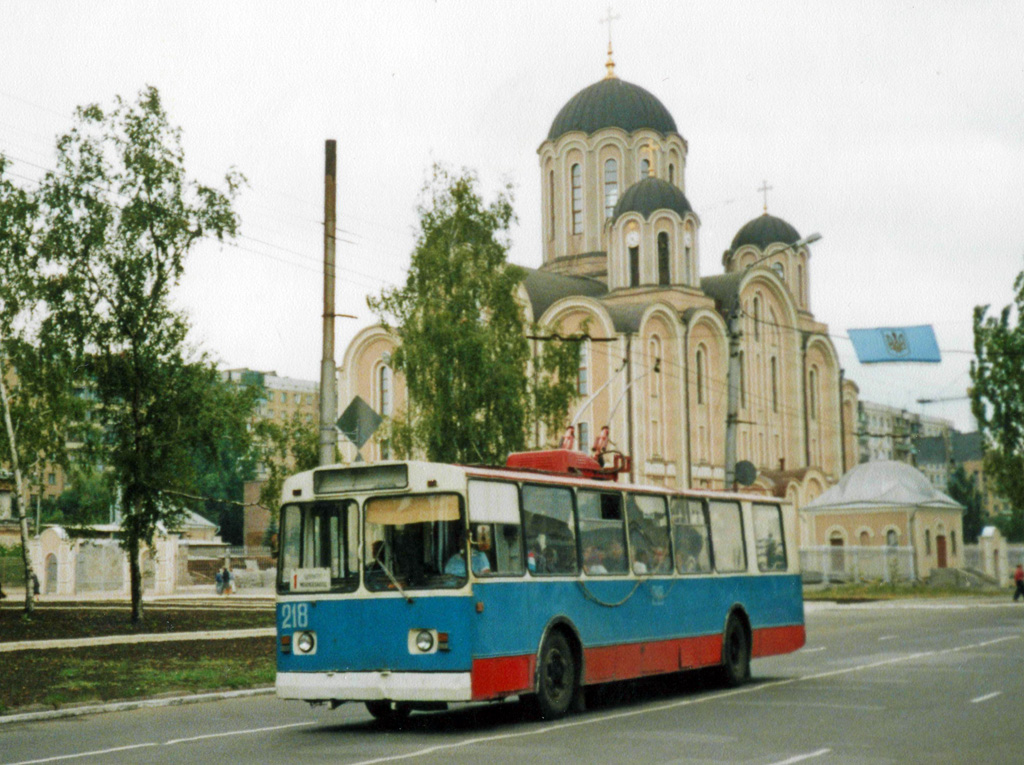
375	686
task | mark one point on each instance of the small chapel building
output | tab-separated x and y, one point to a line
621	262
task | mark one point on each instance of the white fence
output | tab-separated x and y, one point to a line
857	564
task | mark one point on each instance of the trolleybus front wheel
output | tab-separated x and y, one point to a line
735	668
556	683
388	712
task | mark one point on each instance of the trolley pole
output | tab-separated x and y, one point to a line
328	406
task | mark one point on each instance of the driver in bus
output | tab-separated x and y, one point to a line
456	564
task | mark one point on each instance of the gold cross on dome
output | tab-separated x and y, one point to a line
765	188
610	64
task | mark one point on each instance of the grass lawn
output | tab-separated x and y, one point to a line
56	677
52	677
882	591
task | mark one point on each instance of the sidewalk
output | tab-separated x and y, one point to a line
150	637
16	595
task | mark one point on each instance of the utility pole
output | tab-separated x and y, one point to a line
732	414
328	405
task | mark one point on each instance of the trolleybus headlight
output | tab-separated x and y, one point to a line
424	640
305	642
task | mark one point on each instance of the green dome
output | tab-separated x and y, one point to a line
649	195
612	102
763	231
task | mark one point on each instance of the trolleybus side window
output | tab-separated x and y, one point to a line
690	536
548	524
771	545
727	536
319	544
602	532
495	525
411	540
648	534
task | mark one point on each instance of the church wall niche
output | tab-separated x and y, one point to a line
707	380
662	411
823	407
581	316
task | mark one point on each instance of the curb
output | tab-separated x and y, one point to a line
124	706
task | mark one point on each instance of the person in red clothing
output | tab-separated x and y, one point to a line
1018	577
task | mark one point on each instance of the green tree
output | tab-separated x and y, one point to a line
36	370
462	344
288	447
221	473
121	215
964	489
997	400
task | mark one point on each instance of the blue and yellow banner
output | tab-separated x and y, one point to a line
894	344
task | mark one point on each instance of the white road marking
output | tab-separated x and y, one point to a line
84	754
986	697
802	757
887	637
813	650
678	704
174	741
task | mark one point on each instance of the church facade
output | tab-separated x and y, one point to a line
621	249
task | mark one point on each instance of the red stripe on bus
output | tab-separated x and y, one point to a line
773	640
494	678
507	675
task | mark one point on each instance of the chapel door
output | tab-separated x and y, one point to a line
940	551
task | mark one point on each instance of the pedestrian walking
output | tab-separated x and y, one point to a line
1018	578
220	581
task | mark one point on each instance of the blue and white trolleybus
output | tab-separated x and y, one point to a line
411	585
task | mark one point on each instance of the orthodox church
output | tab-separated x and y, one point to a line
621	248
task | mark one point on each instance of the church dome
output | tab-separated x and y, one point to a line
649	195
612	102
763	231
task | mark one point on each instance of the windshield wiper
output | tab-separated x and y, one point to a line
384	567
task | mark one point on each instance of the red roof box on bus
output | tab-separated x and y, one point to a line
566	462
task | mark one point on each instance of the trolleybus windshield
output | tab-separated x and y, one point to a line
414	542
319	548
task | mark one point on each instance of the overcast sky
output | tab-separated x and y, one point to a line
895	129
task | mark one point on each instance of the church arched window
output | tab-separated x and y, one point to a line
634	266
577	199
656	398
743	381
551	203
583	371
812	393
671	173
645	168
757	318
384	380
611	186
663	259
775	384
699	364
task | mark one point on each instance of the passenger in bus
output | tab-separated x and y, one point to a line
457	563
615	558
593	560
551	561
660	563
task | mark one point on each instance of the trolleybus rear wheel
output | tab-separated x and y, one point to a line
556	684
735	653
388	712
